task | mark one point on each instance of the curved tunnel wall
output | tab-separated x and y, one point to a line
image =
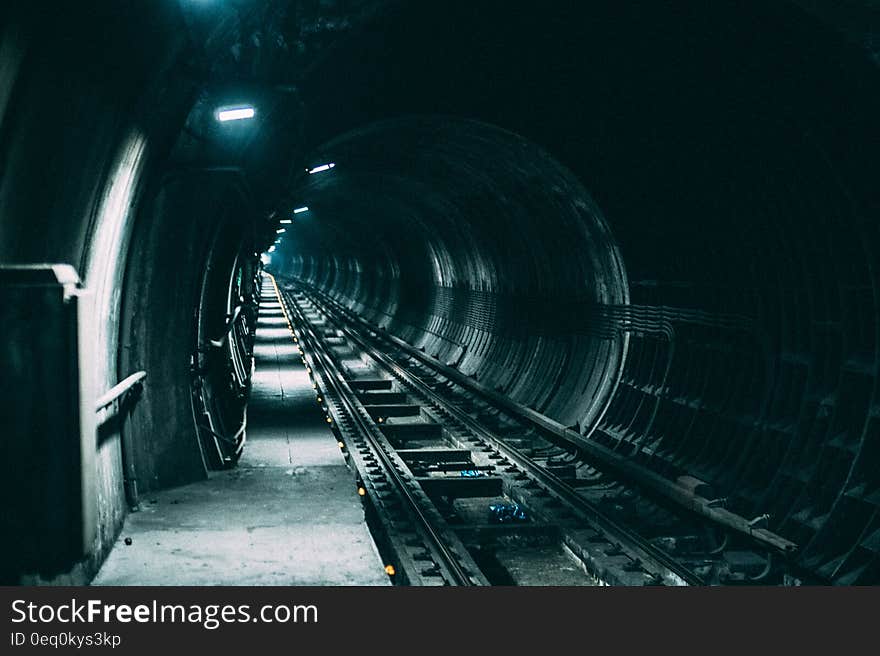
731	153
77	143
475	245
176	301
91	106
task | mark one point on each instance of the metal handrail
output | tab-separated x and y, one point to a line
119	389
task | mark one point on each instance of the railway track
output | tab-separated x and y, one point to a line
461	490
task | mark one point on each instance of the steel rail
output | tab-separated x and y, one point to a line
651	555
344	392
630	470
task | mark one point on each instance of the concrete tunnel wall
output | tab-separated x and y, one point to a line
90	109
728	155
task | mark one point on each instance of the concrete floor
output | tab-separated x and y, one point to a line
289	514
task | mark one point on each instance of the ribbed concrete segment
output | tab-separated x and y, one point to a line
289	514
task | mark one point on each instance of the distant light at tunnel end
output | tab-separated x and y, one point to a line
300	210
235	113
323	167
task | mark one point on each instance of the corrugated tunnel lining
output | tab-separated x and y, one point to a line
478	247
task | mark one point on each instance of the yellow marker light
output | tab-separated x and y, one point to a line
329	421
308	370
341	445
314	386
319	399
389	570
379	420
361	491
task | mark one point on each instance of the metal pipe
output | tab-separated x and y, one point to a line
218	343
129	473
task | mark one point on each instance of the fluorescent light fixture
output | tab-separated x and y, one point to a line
271	249
280	230
300	210
235	113
323	167
285	221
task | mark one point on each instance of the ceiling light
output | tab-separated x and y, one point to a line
235	113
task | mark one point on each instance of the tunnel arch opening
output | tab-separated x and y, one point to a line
473	244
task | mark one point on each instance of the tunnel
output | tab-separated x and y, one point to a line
649	230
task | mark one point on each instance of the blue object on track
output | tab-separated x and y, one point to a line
504	513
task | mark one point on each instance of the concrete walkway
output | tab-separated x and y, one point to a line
289	514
